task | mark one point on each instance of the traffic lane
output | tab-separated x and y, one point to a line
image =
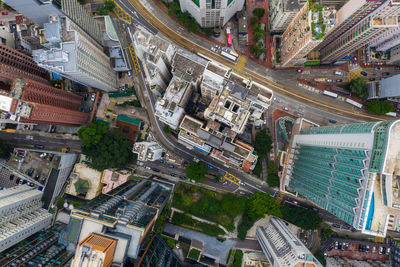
137	17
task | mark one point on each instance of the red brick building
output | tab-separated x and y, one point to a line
31	98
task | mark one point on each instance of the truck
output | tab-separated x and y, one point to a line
319	79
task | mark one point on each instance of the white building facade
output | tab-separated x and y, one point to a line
211	13
21	214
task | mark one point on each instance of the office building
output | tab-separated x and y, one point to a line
349	170
306	31
95	250
212	13
21	214
73	54
29	98
40	10
39	249
359	22
128	211
385	88
282	247
148	151
394	55
282	12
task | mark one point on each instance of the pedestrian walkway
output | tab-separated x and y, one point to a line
121	14
355	73
241	63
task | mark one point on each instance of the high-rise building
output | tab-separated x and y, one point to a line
40	10
306	31
282	247
95	250
21	214
359	22
282	12
29	97
349	170
148	151
73	54
212	13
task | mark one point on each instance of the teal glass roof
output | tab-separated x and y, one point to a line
365	127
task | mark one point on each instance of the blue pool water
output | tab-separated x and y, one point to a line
370	213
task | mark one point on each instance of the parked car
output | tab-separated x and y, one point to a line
276	99
40	188
12	177
371	79
173	174
285	108
53	129
336	245
295	203
43	181
30	171
43	155
338	72
156	170
336	225
162	161
51	156
182	177
339	80
364	73
147	167
171	166
258	127
37	176
21	153
332	121
386	73
37	146
329	80
378	68
299	70
17	180
93	97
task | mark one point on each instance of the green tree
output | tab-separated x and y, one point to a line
233	205
380	107
258	168
257	49
166	129
359	86
260	204
91	135
196	171
259	12
207	31
303	218
253	20
80	2
113	151
106	8
257	36
273	178
320	257
5	149
262	144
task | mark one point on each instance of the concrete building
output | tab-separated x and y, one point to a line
40	10
282	247
212	13
21	215
73	54
385	88
306	31
349	170
148	151
29	97
394	55
282	12
358	24
128	211
95	250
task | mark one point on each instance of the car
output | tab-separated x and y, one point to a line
12	177
21	153
339	80
386	73
120	75
355	60
37	146
185	163
17	180
338	72
171	166
340	245
162	161
182	177
129	73
383	250
276	99
24	181
43	181
378	68
345	227
65	149
258	127
361	248
43	155
397	68
285	108
388	251
373	249
364	73
332	121
85	97
336	225
53	129
299	70
213	49
295	203
367	248
173	174
336	245
371	79
40	188
156	170
4	13
93	97
329	80
30	171
51	156
147	167
210	166
90	109
37	176
30	184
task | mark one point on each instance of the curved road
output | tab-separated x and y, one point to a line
281	89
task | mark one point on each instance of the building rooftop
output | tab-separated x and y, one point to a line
177	88
189	63
292	5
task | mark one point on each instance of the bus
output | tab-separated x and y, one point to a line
233	53
204	56
228	36
319	79
354	103
330	94
228	56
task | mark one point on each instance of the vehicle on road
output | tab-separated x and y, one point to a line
12	177
386	73
363	73
332	121
276	99
171	166
65	149
329	80
378	68
258	127
339	80
285	108
173	174
338	72
43	181
147	167
295	203
162	161
371	79
93	97
319	79
156	170
30	171
299	70
37	176
182	177
37	146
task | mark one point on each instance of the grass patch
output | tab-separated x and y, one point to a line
194	254
215	207
185	220
229	256
237	260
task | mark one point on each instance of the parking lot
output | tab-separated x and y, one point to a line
88	102
358	250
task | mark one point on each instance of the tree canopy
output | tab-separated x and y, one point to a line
5	149
303	218
196	171
380	107
359	86
262	144
259	12
257	49
260	204
106	8
105	148
273	178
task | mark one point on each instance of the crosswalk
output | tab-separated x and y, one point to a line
134	58
355	73
121	14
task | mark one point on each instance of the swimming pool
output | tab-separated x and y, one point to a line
370	213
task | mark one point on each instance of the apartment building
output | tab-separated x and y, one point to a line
148	151
73	54
21	214
127	213
212	13
29	98
306	31
349	170
359	23
282	12
282	247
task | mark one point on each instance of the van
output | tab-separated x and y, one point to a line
338	72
